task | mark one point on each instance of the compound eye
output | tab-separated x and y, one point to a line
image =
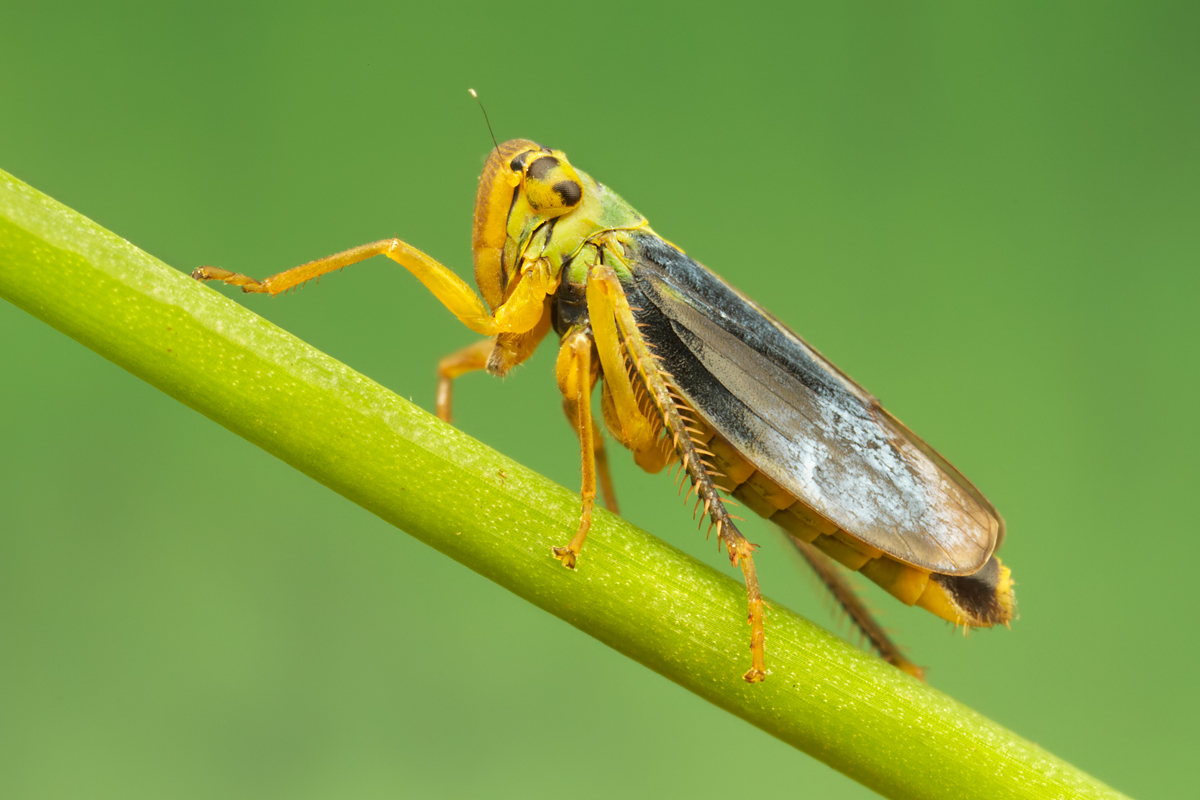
552	185
518	162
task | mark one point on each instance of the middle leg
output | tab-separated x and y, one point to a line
574	372
603	474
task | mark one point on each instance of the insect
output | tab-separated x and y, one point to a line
695	374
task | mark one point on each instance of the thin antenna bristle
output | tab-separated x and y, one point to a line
487	121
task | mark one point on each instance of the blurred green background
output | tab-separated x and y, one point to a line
988	216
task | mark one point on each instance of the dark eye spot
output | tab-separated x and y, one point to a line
570	191
518	163
541	167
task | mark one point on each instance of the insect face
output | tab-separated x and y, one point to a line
551	184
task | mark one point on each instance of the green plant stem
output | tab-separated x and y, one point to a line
633	592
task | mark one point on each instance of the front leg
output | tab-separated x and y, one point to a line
471	358
520	313
497	356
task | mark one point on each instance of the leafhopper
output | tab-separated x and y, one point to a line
695	374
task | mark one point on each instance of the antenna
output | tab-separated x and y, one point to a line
486	120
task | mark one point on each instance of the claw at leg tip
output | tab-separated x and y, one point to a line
566	555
